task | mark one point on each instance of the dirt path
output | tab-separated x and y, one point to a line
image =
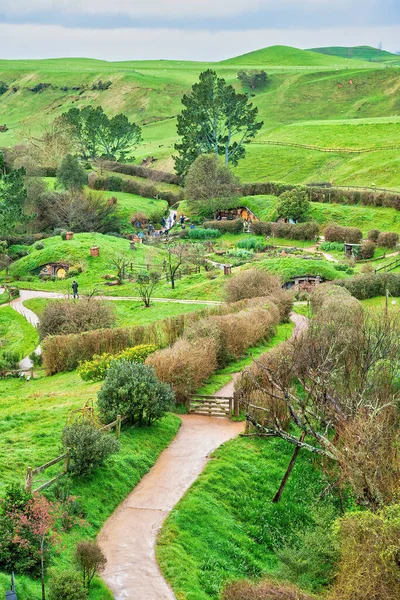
128	538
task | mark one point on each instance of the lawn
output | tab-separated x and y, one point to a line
288	267
226	526
32	416
129	312
16	334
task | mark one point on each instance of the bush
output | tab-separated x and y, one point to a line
369	550
96	369
373	235
300	231
63	317
251	284
234	226
89	446
337	233
39	246
252	243
387	239
371	285
204	234
329	246
133	390
261	228
90	560
66	585
293	204
367	250
18	251
185	366
266	590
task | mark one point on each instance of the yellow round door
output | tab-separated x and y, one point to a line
61	273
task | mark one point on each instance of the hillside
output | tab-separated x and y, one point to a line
364	53
286	55
311	99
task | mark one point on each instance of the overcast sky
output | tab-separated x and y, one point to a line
190	29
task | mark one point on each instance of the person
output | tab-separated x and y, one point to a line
75	289
169	222
191	226
182	219
163	222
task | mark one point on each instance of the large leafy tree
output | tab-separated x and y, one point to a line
98	135
12	198
215	119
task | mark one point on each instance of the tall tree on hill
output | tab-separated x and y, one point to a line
98	135
12	198
215	119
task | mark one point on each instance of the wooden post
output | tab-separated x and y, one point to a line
230	407
29	480
67	460
236	405
118	426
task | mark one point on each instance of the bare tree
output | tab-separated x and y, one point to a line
177	255
121	262
146	282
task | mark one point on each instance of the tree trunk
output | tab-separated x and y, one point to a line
286	476
172	281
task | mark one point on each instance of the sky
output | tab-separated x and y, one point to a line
190	29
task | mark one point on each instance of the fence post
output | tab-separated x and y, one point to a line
67	460
29	480
230	406
236	405
118	426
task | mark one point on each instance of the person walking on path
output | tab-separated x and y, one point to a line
182	219
75	289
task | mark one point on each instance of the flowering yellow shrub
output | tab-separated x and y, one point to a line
96	369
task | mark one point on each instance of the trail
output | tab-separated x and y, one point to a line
129	536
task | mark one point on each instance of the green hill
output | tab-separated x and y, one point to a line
286	55
364	53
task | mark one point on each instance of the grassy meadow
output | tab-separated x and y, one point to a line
16	334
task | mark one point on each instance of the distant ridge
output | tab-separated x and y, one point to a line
288	56
364	53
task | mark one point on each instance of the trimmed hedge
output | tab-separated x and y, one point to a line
145	172
337	233
204	234
300	231
130	186
234	226
371	285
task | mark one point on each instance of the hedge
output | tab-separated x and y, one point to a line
234	226
130	186
337	233
65	352
145	172
371	285
301	231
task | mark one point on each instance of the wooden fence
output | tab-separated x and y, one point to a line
31	472
320	149
389	266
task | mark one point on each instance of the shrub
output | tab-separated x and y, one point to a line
65	585
337	233
133	390
373	235
39	246
329	246
90	560
387	239
252	243
266	590
204	234
369	550
371	285
234	226
185	366
89	446
65	316
96	369
367	250
250	284
18	251
261	228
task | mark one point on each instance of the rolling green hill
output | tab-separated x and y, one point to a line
307	101
288	56
364	53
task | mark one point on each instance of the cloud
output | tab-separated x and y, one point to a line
39	41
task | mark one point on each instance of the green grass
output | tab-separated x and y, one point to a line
226	526
288	267
129	312
16	334
378	304
360	53
32	416
303	88
223	376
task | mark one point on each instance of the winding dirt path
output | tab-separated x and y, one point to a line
128	538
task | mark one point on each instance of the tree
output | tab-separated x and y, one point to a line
131	389
90	560
99	136
121	262
12	198
36	527
146	282
293	205
70	174
177	255
215	119
210	185
255	79
45	148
